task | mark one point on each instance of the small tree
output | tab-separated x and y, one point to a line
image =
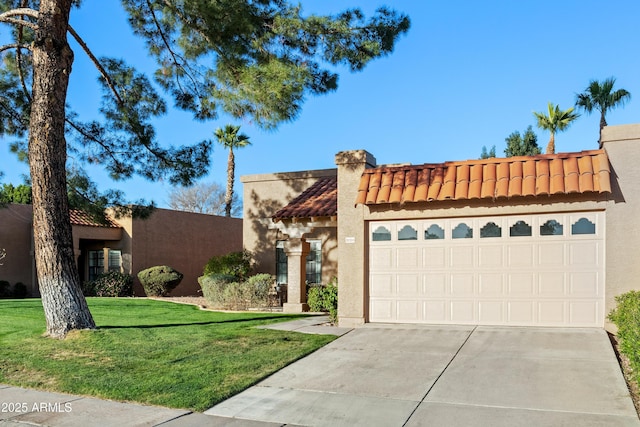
525	145
556	120
488	154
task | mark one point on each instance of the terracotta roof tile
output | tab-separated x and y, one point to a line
79	217
320	200
552	174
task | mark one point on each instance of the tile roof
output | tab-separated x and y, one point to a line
79	217
319	200
552	174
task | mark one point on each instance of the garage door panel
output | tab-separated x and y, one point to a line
436	284
381	285
520	256
521	312
409	285
552	313
435	311
462	257
490	256
409	311
490	285
408	257
547	272
521	284
382	310
584	253
551	284
551	254
584	285
491	312
462	285
381	259
434	257
463	311
583	312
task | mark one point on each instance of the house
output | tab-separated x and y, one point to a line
183	240
547	240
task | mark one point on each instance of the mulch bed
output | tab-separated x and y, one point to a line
627	372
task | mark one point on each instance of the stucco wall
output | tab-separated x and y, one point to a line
184	241
622	144
15	238
263	196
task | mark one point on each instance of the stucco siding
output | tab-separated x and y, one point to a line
184	241
263	196
15	238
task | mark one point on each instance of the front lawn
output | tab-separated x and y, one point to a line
147	351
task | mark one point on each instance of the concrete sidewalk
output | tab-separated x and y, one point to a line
20	407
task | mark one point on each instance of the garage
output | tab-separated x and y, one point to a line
521	270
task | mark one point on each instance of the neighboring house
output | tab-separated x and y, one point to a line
183	240
547	240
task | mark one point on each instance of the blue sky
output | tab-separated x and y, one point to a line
466	75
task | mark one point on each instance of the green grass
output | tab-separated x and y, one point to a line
147	351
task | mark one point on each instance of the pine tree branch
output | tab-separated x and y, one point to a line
20	64
17	46
96	63
7	17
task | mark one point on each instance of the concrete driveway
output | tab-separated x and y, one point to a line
415	375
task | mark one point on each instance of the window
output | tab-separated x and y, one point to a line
313	262
96	264
490	230
551	228
115	260
462	231
434	232
381	234
281	263
408	233
583	226
520	228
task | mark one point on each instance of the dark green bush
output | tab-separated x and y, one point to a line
324	298
626	316
5	289
20	290
110	284
159	281
236	264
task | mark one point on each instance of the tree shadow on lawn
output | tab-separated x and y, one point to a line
212	322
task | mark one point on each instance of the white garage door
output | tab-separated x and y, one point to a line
543	270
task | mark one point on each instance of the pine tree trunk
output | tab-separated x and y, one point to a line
551	146
64	305
228	197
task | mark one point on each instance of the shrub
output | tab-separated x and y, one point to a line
5	289
626	316
324	298
213	286
236	264
225	292
20	290
159	281
110	284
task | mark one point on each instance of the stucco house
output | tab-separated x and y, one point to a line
183	240
547	240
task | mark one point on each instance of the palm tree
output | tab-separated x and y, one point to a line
230	138
600	96
555	121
